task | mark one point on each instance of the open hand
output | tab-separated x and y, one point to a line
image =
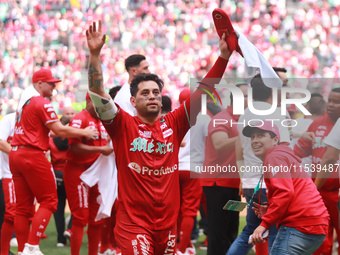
260	210
91	132
95	39
225	52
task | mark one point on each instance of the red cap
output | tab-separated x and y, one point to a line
44	74
184	95
87	96
262	125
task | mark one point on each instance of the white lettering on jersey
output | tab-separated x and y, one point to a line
144	244
48	105
18	131
167	133
78	121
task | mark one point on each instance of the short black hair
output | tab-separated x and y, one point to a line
260	91
337	90
280	69
64	120
113	91
316	105
133	61
166	104
144	77
316	95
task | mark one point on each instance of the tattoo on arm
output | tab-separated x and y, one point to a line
95	79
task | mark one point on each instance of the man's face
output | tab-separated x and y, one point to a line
333	106
148	100
90	108
261	142
143	67
47	88
69	112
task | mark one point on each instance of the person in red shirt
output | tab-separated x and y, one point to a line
295	205
58	151
82	199
32	174
146	148
316	147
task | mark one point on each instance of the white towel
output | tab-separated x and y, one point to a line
104	172
256	62
27	94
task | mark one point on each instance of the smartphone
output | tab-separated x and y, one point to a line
264	236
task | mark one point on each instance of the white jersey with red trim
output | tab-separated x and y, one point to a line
147	163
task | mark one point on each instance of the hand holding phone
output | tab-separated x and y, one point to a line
264	236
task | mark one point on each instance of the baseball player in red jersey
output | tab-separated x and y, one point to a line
82	199
320	128
295	205
7	124
146	148
58	151
32	174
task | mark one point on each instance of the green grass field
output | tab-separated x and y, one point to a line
48	245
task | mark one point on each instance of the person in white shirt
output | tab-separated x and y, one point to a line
134	64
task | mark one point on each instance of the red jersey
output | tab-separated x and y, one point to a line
220	160
82	120
321	127
58	157
147	163
30	128
293	198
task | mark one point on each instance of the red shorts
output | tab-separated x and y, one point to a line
81	198
9	195
33	178
190	194
133	239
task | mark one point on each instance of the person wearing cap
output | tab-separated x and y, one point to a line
31	170
82	199
146	148
294	204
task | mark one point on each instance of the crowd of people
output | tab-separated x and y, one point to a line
177	35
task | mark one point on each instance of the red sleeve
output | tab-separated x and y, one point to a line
220	127
116	126
281	191
76	122
181	120
46	112
193	104
303	148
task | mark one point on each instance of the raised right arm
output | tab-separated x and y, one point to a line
104	106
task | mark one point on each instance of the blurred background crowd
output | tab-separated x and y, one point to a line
177	36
